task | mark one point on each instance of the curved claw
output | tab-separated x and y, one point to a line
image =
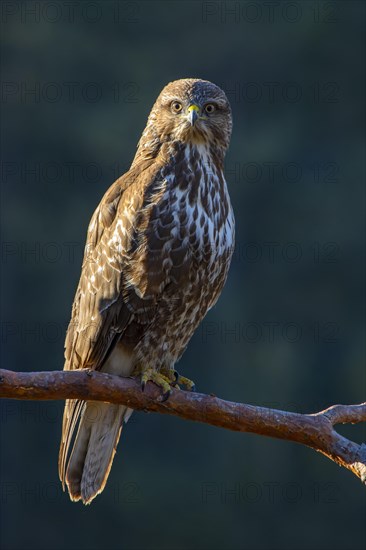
157	378
165	396
182	380
176	378
166	381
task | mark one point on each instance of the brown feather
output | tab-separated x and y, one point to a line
157	255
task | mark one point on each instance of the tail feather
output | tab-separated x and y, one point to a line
94	449
72	411
87	468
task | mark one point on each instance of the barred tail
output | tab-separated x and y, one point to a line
88	468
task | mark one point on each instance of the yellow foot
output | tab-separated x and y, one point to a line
176	380
159	379
183	381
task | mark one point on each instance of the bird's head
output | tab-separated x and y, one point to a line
192	111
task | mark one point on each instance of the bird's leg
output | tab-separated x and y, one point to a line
182	380
167	378
176	380
159	379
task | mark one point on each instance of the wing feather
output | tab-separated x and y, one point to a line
116	287
109	297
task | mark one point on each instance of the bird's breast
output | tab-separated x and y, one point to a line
196	217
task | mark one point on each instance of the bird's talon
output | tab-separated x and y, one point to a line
165	396
176	378
183	381
159	379
166	380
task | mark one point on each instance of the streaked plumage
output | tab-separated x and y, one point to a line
157	255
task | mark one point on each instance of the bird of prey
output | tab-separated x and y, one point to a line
157	255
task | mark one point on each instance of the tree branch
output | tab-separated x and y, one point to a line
313	430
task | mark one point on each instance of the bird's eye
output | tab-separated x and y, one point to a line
210	108
177	106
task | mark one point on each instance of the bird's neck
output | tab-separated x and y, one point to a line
165	148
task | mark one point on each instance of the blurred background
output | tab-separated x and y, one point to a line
78	81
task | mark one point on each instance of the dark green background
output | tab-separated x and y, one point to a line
288	330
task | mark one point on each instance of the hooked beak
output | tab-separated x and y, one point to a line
193	112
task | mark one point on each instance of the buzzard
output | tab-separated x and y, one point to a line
158	250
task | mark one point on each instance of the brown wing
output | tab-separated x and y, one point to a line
121	279
112	290
98	312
